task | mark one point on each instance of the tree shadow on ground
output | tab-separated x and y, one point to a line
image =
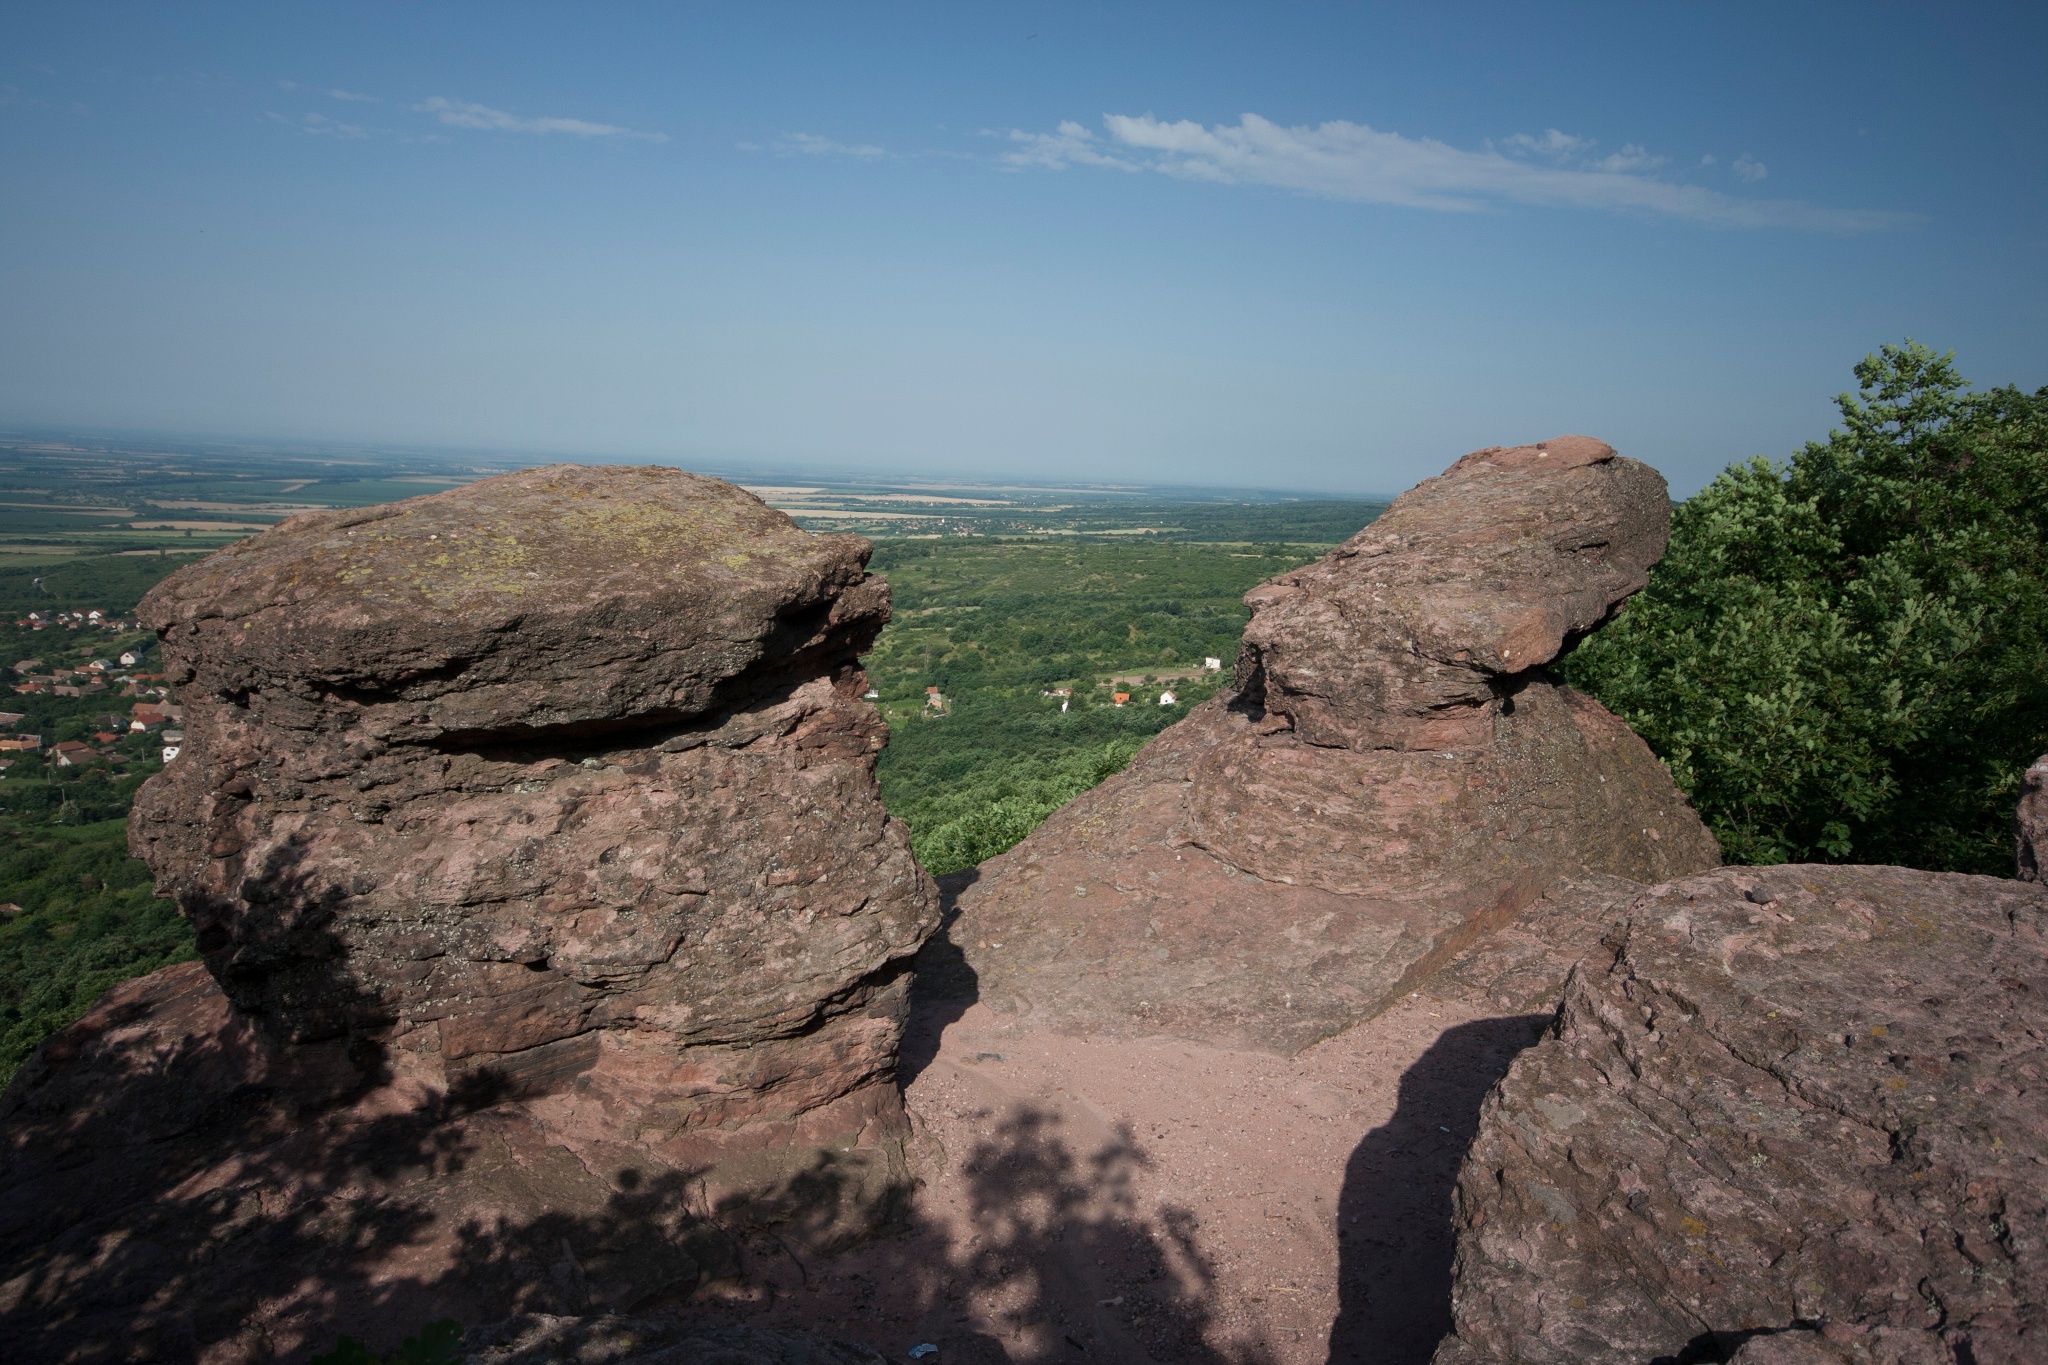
1060	1264
172	1198
1394	1231
258	1220
169	1189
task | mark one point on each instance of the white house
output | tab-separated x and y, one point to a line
1213	664
1167	699
170	752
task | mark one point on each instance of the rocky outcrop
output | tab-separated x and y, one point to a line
2030	821
1787	1114
551	919
1394	777
560	783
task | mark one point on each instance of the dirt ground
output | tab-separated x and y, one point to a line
1165	1201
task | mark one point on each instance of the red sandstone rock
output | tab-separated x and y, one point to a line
2030	821
1395	778
1798	1111
563	780
1407	635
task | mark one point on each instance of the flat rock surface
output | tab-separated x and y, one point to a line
1782	1100
1395	778
566	596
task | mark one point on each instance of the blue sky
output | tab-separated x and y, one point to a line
1313	246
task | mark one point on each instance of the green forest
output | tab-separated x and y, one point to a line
1002	626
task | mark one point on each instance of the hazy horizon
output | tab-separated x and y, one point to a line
1322	249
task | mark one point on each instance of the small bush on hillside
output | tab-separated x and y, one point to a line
1846	658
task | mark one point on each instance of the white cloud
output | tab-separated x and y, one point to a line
810	144
1630	158
1072	145
1350	161
1709	159
1750	169
458	114
352	97
1567	149
319	125
1553	144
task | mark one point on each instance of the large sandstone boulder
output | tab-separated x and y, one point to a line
554	931
1792	1112
561	782
1394	777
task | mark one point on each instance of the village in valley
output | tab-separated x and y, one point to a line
89	715
87	700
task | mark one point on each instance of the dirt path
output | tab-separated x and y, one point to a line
1163	1201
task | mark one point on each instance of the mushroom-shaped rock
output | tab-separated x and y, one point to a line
555	785
1394	777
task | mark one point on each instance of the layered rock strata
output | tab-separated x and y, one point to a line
557	784
1394	777
1787	1114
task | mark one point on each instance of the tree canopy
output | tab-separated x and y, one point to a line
1845	658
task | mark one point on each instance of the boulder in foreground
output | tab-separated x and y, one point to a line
1793	1112
559	783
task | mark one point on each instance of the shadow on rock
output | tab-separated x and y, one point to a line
945	984
1061	1264
175	1188
1393	1283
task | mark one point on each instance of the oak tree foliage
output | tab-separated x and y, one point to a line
1845	658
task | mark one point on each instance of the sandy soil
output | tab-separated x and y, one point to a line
1163	1200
